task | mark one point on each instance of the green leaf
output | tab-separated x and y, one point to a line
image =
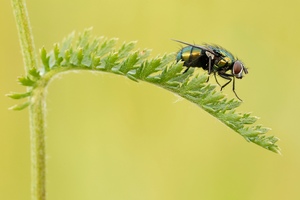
35	73
84	38
26	81
20	106
145	53
100	54
66	44
125	49
57	56
19	95
109	62
106	47
45	59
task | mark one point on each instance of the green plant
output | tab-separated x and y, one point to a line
100	54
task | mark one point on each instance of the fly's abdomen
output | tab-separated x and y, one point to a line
192	57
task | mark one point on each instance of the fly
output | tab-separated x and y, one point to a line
214	59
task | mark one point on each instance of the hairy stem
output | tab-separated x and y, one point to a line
38	154
37	109
25	34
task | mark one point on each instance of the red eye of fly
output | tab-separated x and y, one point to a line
237	69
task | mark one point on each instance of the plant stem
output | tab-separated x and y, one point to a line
25	34
37	108
38	150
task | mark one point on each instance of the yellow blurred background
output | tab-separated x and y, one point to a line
111	138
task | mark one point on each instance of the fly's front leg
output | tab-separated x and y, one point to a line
233	89
229	77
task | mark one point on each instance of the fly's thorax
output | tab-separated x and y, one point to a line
224	61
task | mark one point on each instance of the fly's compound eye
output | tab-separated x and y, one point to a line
238	69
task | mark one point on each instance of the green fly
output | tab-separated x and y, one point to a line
214	59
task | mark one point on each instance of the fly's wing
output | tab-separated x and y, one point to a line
207	62
206	48
224	55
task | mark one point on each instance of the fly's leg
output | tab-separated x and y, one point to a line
233	89
209	65
207	79
215	75
209	68
186	69
229	77
210	59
